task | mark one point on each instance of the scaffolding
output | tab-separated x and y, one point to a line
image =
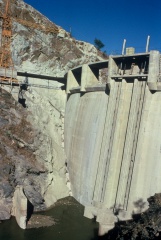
8	74
7	71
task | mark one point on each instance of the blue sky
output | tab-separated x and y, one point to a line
111	21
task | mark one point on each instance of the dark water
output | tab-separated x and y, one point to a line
70	225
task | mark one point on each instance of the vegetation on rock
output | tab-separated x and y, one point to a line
143	226
98	44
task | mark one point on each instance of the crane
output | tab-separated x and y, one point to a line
7	72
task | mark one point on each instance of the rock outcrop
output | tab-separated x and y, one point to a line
28	158
143	226
32	138
36	51
18	164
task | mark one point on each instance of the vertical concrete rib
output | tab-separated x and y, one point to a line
136	134
128	145
106	141
106	170
111	180
71	113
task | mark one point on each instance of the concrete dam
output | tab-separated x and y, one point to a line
113	136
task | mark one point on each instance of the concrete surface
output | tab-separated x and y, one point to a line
113	138
20	207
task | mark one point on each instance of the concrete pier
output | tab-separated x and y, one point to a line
20	207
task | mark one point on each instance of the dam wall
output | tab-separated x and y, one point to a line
113	136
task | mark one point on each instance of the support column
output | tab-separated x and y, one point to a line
71	81
106	143
128	145
20	207
153	70
88	77
112	177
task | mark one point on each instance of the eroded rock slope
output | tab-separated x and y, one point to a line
18	164
32	138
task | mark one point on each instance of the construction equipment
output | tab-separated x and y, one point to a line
8	75
7	72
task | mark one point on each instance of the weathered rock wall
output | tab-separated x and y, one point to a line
46	53
47	119
18	164
36	51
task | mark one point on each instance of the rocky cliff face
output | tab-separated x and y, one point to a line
31	145
28	158
48	53
18	164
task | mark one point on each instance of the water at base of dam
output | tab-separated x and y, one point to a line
69	225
